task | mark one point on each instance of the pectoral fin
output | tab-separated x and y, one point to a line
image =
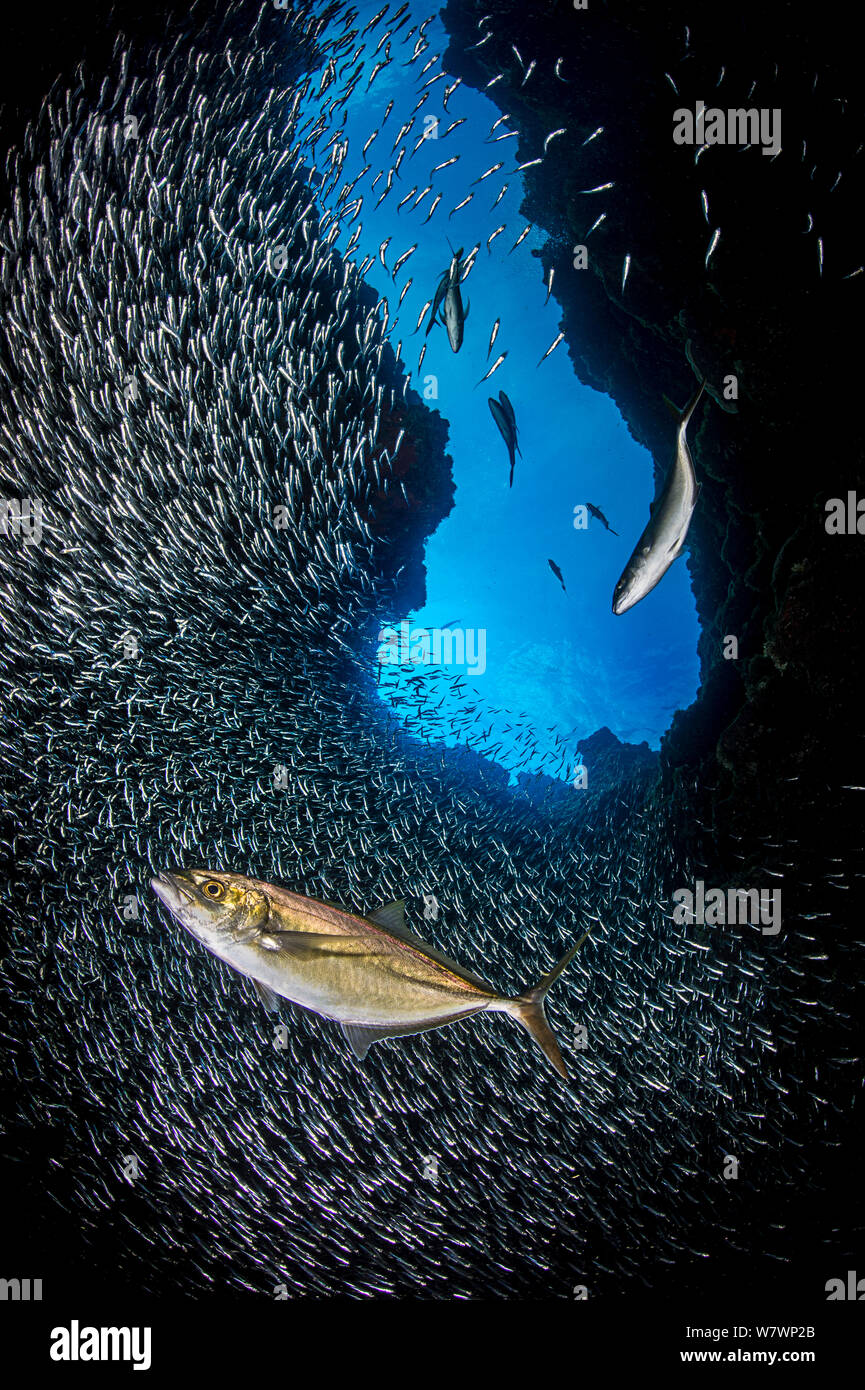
391	918
308	945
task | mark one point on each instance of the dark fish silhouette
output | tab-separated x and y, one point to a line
503	414
557	572
596	512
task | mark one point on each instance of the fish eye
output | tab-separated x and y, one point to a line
214	890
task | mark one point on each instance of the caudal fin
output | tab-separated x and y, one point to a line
692	404
528	1009
683	416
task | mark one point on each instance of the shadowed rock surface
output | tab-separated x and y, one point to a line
763	567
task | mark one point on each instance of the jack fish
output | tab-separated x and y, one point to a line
664	536
370	974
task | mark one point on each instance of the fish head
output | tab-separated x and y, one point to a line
219	909
631	587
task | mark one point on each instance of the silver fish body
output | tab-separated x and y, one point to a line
370	974
664	536
454	315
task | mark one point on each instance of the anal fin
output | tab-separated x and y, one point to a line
361	1036
269	999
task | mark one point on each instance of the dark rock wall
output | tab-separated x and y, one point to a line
763	567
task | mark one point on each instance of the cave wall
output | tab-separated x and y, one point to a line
763	309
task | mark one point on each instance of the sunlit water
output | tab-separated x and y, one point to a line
562	658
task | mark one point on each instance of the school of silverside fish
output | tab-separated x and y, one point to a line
273	1159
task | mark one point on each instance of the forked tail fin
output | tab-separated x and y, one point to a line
683	416
528	1009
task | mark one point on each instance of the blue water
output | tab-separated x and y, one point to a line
561	658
